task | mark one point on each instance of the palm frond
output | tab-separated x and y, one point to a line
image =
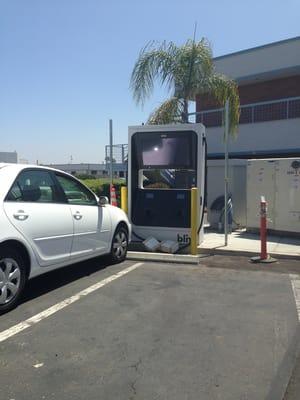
194	64
170	111
223	88
151	64
188	70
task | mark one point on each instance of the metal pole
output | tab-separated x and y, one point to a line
226	171
111	151
123	154
194	220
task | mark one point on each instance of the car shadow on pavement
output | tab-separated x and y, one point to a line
55	279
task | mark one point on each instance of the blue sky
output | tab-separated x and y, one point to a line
66	64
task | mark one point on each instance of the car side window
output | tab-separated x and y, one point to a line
75	192
35	186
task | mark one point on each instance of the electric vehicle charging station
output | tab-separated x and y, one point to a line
164	163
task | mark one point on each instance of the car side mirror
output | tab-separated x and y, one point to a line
103	200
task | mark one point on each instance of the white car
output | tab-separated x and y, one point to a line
48	220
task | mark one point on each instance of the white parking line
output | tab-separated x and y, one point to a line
62	304
295	280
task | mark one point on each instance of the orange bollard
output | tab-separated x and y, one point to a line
264	256
263	229
113	197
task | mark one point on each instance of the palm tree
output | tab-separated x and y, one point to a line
186	71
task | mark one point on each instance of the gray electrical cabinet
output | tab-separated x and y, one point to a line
278	180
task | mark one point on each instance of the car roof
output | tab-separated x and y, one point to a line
19	167
15	169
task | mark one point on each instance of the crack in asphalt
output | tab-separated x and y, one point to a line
136	367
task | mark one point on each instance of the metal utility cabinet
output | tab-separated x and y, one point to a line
279	181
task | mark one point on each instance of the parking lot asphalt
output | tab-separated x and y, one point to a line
293	389
223	329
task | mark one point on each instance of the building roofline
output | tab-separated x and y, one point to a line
269	75
257	48
272	153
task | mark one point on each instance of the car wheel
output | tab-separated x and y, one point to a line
119	245
12	278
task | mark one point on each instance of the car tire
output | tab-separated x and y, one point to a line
119	245
12	278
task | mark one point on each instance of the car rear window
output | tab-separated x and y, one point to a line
33	186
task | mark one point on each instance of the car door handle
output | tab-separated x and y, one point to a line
20	215
77	216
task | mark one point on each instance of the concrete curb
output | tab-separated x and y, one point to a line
246	253
161	257
189	259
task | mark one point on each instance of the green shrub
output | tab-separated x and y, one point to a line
94	184
84	176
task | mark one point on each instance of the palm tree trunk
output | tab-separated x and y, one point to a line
185	116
